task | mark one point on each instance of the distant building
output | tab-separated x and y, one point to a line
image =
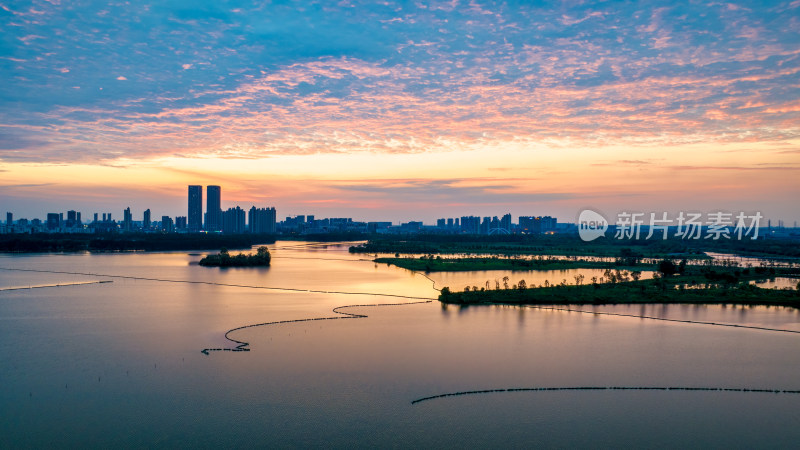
9	219
233	221
146	220
505	222
53	221
72	219
378	227
167	226
537	225
486	225
181	223
213	208
410	227
127	219
195	217
470	224
262	220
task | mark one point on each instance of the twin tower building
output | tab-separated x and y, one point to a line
261	220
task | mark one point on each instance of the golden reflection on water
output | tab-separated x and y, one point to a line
124	358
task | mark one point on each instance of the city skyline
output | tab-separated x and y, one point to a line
402	110
235	219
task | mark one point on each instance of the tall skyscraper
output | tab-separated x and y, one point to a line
213	208
127	219
195	217
72	218
9	219
146	219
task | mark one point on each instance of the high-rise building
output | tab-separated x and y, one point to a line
167	225
127	219
505	222
53	221
9	219
195	217
146	219
538	224
213	208
180	223
471	224
233	221
261	220
72	218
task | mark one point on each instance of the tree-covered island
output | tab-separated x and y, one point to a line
261	258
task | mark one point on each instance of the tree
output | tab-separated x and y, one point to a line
667	267
505	282
522	284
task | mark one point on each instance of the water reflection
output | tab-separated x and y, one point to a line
123	358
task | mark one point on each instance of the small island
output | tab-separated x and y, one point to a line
261	258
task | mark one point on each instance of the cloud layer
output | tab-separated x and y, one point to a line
98	82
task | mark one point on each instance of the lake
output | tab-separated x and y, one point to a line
120	363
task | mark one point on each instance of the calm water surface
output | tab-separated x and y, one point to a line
120	364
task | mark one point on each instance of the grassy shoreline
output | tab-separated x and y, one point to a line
698	285
428	264
572	245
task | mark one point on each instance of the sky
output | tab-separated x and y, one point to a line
401	110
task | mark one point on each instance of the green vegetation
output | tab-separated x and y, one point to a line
110	242
706	284
432	263
261	258
570	244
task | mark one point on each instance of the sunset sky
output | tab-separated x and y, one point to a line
400	110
